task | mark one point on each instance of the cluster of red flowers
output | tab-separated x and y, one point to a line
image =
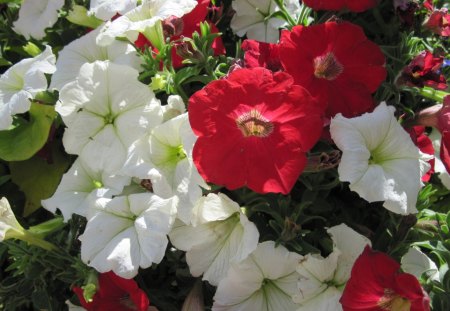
256	125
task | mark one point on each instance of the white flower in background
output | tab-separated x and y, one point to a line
175	106
251	19
35	16
321	279
266	280
222	235
379	159
9	226
143	18
106	110
168	149
80	186
439	167
22	82
416	263
85	50
106	9
127	232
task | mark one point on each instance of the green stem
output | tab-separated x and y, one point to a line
432	94
37	241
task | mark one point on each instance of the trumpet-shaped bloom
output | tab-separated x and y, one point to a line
336	5
253	130
106	9
168	150
336	63
85	50
36	16
222	235
377	285
143	18
9	226
106	110
127	232
266	280
379	159
417	263
322	279
80	186
251	18
22	82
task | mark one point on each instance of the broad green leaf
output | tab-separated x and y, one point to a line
24	140
38	179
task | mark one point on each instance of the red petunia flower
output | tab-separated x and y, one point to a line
261	54
377	285
336	5
336	63
424	70
439	22
115	293
438	116
424	143
253	130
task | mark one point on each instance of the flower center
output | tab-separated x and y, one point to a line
393	302
327	67
253	123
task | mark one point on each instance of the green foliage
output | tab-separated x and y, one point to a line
27	136
37	178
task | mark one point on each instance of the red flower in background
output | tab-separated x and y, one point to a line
424	70
377	285
336	5
336	63
253	130
115	293
261	54
424	143
176	28
439	20
438	116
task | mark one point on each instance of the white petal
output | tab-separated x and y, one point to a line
416	263
106	9
36	16
351	244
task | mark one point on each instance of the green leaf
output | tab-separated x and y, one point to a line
79	16
23	141
4	62
38	179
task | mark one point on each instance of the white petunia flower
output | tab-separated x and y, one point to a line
251	19
22	82
80	186
85	50
143	18
168	149
379	159
35	16
9	226
416	263
127	232
322	279
222	235
439	167
175	106
266	280
106	110
106	9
